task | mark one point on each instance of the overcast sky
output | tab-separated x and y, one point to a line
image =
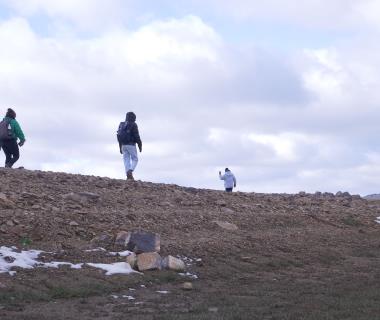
285	93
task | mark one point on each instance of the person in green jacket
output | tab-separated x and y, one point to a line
11	146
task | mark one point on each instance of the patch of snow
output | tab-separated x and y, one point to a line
188	261
131	289
113	268
163	291
128	297
24	259
115	296
96	250
57	264
377	220
10	258
142	285
121	254
188	274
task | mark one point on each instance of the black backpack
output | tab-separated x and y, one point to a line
5	130
125	132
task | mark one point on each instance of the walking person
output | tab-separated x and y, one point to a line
229	179
11	137
128	136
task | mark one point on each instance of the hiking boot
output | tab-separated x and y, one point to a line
129	175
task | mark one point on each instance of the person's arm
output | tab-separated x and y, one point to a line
18	132
221	177
118	138
136	134
234	181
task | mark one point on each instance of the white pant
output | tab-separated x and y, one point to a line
130	157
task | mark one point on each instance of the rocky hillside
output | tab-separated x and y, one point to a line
254	256
372	197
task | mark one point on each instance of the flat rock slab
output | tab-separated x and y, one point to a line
226	225
139	241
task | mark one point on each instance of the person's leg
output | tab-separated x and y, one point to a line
134	157
228	189
15	151
8	153
126	158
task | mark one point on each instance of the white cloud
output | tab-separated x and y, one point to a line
304	120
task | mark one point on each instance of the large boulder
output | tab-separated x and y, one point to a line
149	261
139	241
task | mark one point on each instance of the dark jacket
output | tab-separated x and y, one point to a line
134	136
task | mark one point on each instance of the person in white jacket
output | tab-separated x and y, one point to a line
229	179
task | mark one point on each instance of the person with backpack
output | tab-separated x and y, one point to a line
229	179
10	134
127	136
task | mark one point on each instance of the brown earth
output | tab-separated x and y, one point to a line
291	256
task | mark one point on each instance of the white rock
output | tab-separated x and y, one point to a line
173	263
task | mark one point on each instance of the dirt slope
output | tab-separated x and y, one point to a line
291	257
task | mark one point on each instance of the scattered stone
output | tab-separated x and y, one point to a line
9	259
246	258
5	202
213	309
228	210
30	195
89	195
103	240
221	203
187	286
173	263
132	260
226	225
149	261
10	223
81	197
73	224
